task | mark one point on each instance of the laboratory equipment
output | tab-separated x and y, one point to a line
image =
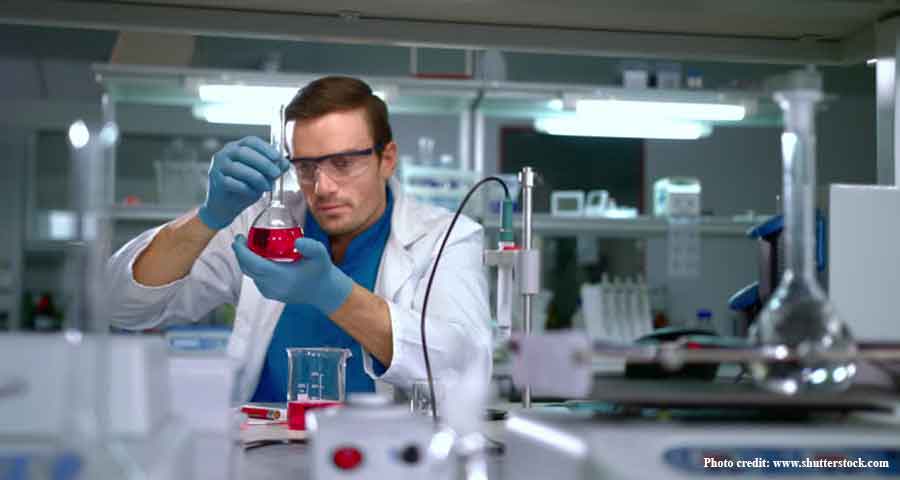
680	423
596	203
420	396
668	75
693	78
197	339
274	230
370	438
750	299
799	317
316	379
616	310
863	227
680	444
203	387
180	177
567	203
635	74
426	152
149	436
676	197
520	262
704	319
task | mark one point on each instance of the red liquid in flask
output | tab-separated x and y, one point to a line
276	244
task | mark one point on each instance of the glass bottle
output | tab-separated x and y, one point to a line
274	230
798	320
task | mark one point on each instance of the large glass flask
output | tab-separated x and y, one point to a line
317	378
798	320
273	232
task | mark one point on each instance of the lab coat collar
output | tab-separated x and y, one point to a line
402	228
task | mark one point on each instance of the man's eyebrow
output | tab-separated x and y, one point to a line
331	155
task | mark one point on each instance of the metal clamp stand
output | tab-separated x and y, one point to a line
528	258
523	264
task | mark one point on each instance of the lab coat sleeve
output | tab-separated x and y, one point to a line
214	279
457	323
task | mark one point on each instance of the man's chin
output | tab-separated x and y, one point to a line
335	226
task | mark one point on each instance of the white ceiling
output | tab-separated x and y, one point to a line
831	19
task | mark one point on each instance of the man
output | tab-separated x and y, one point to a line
366	256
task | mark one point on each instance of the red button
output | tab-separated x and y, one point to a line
347	458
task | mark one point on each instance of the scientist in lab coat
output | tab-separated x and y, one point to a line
367	254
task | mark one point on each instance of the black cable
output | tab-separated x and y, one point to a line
431	280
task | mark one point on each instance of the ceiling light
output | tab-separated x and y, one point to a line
594	126
246	94
713	112
234	113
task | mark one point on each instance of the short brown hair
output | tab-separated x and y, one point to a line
337	94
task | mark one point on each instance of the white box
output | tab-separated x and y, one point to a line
863	259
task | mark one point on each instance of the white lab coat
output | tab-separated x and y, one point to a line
457	326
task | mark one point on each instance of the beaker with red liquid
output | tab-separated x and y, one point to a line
274	230
316	379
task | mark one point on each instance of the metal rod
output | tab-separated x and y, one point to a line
677	353
526	179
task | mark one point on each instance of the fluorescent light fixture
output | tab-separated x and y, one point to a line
234	113
245	104
556	104
713	112
602	126
216	93
246	94
871	61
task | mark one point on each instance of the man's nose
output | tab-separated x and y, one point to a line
325	185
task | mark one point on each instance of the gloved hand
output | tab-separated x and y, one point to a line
313	279
240	173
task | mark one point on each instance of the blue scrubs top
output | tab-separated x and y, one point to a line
303	325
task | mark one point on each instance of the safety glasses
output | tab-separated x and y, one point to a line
340	167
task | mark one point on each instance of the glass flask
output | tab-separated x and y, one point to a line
274	230
798	320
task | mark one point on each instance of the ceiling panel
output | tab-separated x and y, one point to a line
754	18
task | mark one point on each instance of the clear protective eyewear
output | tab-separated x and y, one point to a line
339	167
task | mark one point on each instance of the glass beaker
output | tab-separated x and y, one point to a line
798	319
316	378
274	230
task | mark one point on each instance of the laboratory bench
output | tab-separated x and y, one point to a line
293	460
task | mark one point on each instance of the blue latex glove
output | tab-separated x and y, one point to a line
312	280
240	173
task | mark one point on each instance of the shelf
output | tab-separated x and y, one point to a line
53	228
179	86
147	213
640	227
45	249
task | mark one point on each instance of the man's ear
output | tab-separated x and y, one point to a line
388	160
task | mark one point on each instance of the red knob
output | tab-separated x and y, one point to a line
347	458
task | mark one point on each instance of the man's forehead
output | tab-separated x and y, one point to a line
330	133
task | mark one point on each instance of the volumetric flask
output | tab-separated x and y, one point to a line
316	378
273	232
798	319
